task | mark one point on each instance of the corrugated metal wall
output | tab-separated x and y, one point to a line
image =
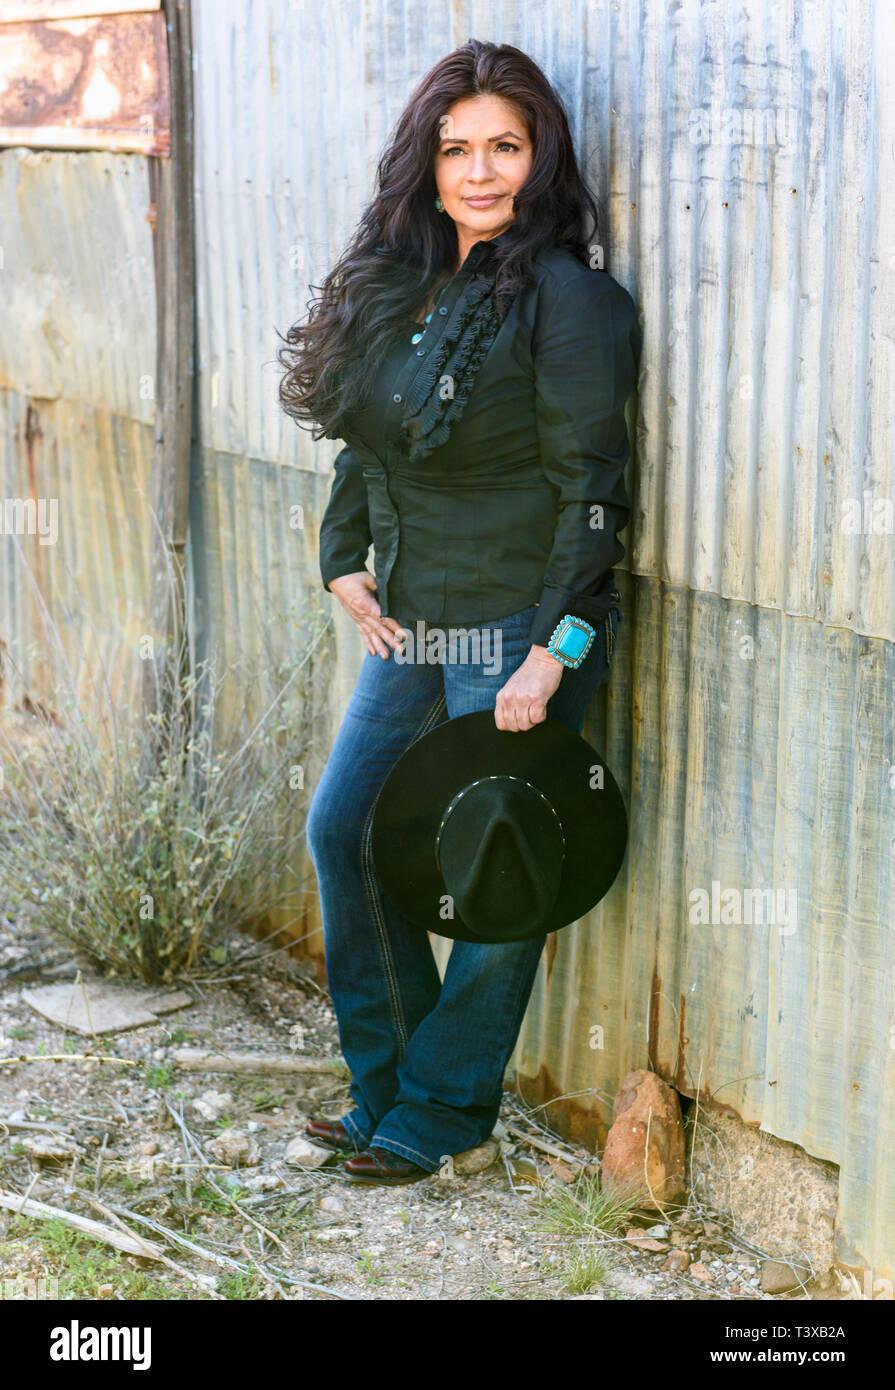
77	409
744	158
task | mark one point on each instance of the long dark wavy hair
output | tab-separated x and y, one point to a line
403	247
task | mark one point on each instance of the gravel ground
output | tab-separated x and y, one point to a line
298	1233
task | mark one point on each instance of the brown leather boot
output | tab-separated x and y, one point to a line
384	1168
330	1135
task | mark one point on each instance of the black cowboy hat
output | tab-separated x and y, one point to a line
484	835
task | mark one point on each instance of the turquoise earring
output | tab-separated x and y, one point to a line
439	204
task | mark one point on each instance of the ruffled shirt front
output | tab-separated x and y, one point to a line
431	411
430	408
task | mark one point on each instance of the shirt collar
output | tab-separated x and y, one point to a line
480	249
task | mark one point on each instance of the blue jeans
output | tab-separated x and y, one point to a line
427	1057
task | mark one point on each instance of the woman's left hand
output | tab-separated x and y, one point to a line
522	702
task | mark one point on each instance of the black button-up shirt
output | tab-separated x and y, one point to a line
523	502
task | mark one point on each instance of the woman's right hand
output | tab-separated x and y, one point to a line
355	593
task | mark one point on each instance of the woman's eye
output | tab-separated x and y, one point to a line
504	145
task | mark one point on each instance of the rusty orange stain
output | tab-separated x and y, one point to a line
94	83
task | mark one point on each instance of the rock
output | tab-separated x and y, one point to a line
777	1277
337	1233
331	1203
677	1262
644	1100
212	1103
476	1160
149	1147
699	1271
221	1100
50	1149
712	1230
629	1285
643	1242
301	1153
657	1232
264	1182
149	1167
235	1148
524	1172
562	1171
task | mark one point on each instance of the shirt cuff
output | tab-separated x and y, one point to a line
555	603
332	572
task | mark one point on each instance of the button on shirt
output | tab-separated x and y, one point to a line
523	503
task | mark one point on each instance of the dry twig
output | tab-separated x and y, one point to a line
130	1244
260	1063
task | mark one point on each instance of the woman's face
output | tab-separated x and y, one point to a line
484	157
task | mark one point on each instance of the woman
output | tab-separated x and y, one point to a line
477	368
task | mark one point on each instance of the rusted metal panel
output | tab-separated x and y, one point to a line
16	11
86	83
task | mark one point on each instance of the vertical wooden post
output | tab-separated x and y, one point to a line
171	191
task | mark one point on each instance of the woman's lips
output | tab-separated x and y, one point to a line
485	201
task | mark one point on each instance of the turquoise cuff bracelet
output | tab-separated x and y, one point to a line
571	640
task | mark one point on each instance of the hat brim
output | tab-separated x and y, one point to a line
427	776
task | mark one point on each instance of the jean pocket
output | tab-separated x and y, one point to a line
523	619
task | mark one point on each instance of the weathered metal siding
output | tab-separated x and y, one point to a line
750	716
285	132
751	708
77	364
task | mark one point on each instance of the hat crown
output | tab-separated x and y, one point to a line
500	849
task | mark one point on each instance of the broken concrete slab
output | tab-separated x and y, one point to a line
96	1006
782	1200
